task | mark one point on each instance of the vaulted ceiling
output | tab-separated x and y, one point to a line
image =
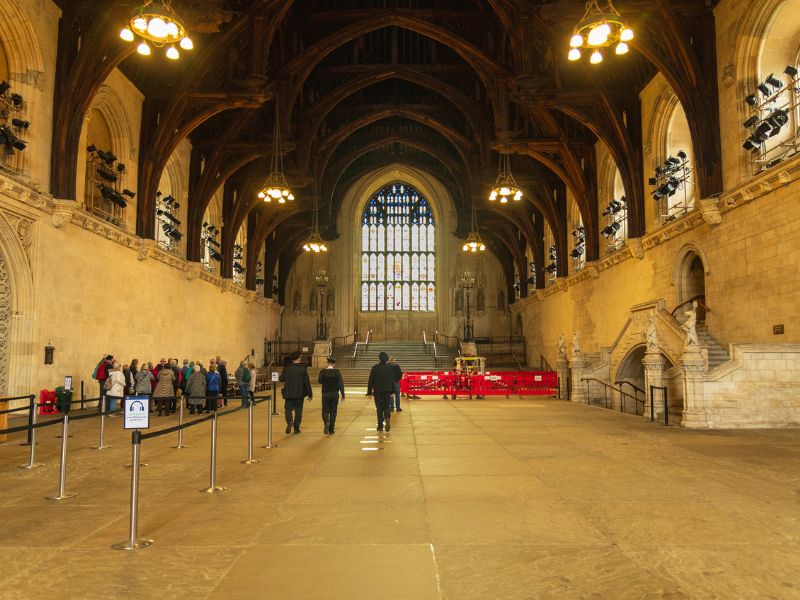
439	85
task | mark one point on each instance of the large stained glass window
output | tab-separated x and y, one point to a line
397	251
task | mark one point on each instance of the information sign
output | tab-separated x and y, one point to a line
137	415
537	377
305	348
275	376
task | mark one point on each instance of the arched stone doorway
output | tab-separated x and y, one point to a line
631	373
692	284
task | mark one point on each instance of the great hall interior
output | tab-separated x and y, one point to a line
498	193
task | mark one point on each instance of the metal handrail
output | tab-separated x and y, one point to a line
622	382
701	300
345	338
543	363
366	343
622	395
437	335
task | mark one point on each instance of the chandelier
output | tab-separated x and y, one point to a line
599	28
156	22
315	242
275	186
506	186
473	243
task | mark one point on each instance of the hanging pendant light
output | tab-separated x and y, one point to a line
473	243
154	22
275	185
315	242
505	187
599	28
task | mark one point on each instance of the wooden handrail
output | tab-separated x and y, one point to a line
701	301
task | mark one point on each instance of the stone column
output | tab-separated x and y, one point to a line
577	364
319	360
693	365
562	368
653	364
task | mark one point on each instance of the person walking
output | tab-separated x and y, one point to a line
195	389
398	375
243	378
296	387
164	393
332	385
222	369
143	385
115	388
253	380
212	387
381	387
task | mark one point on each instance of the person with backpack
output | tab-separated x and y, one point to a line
212	387
101	374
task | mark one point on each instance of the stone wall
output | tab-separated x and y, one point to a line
88	288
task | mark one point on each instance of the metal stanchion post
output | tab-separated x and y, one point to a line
83	395
274	398
32	433
652	408
62	477
133	542
31	420
213	487
102	444
180	422
270	402
666	406
250	460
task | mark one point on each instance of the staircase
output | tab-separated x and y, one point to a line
410	356
717	353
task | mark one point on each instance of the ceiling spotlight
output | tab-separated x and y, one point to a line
762	87
751	122
4	87
19	123
790	71
749	145
752	100
774	81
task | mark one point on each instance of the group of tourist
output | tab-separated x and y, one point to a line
206	389
166	384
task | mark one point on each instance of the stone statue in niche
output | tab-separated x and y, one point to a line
576	344
459	300
690	326
562	346
651	335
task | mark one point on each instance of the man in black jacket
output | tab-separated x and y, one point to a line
296	387
332	385
381	386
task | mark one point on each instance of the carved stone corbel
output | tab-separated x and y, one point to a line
62	212
709	210
193	270
635	247
144	248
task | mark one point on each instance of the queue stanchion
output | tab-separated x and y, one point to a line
31	419
270	405
213	487
102	444
250	460
134	542
32	464
180	422
274	397
62	477
83	395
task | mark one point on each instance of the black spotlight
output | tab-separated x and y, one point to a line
120	168
789	70
652	181
106	174
16	100
682	154
762	87
749	145
774	81
91	148
4	87
752	100
20	124
129	193
751	122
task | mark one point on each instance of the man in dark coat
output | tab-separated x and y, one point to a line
296	387
381	387
222	369
332	386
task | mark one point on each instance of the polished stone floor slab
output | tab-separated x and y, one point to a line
468	499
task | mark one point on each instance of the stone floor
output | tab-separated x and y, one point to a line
469	499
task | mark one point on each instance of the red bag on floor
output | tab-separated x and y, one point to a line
220	401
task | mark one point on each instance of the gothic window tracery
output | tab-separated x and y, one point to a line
398	251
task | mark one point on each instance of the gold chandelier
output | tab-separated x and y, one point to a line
600	28
315	242
156	22
275	185
473	243
506	186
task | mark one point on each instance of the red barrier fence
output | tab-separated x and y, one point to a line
500	383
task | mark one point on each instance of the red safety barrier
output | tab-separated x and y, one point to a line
499	383
48	402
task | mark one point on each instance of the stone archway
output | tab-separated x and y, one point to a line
5	325
689	277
